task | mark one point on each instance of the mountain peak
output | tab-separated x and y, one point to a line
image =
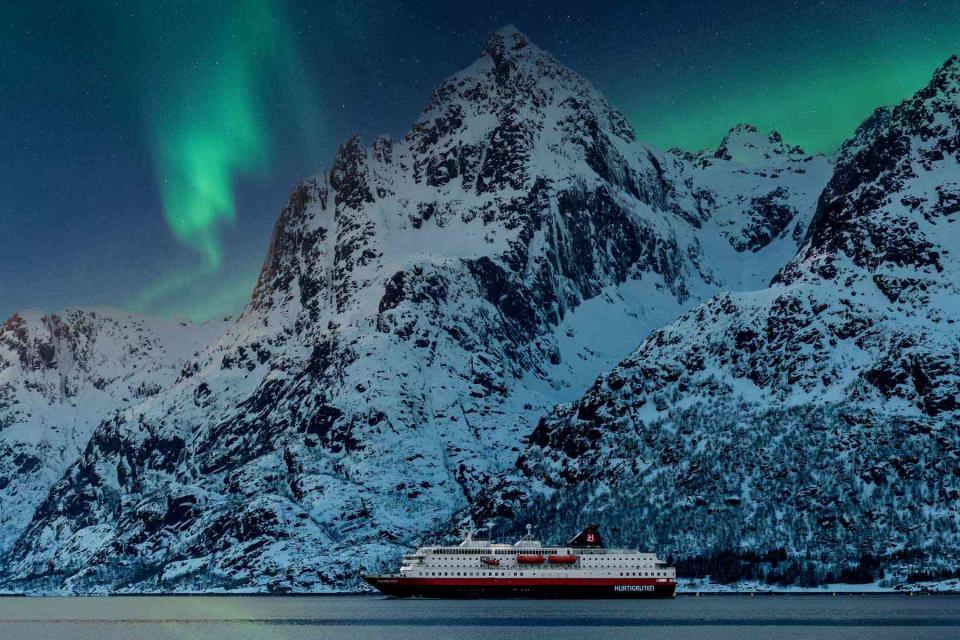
506	43
950	68
745	143
894	180
945	81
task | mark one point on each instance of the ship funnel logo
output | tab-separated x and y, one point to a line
589	537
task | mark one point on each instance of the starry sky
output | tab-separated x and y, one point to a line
146	147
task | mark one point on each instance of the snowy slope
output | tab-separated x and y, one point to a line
814	422
422	303
60	375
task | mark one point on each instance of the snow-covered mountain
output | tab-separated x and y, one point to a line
422	304
60	376
808	430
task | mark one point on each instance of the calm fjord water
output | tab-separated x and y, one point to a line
361	617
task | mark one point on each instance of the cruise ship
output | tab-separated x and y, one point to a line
583	568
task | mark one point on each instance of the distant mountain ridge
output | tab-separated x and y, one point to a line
60	376
426	301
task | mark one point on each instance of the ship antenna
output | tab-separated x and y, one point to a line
529	534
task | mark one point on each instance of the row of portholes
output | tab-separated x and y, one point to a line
640	574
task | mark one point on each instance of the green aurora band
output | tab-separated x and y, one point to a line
207	127
812	72
212	79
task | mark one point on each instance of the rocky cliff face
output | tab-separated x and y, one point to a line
423	302
60	376
815	420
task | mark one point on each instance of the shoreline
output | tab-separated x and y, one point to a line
345	594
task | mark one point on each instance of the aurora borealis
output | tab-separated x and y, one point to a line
203	134
208	119
147	147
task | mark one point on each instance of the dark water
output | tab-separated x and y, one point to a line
360	617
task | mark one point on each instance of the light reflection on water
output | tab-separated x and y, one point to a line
361	617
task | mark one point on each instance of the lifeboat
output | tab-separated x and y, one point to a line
562	559
490	561
530	559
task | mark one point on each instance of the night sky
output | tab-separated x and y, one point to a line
146	147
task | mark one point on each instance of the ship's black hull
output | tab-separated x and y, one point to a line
399	587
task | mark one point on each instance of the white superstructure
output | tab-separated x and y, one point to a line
528	558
